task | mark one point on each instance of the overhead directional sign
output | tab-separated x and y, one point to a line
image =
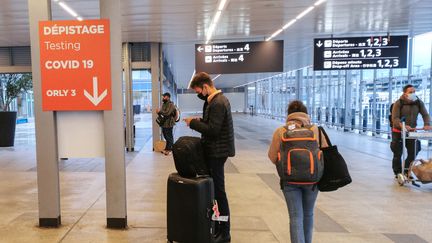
373	52
75	65
239	57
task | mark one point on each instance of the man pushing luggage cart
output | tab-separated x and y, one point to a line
406	109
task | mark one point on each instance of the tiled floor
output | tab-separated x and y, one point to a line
372	209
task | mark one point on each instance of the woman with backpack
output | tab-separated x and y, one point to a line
295	151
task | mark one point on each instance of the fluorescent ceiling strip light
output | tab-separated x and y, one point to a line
190	81
222	5
277	32
215	20
289	24
302	14
319	2
274	34
217	16
68	9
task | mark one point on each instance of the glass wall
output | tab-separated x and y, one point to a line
356	100
142	91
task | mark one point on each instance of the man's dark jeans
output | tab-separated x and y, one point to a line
218	174
413	148
169	137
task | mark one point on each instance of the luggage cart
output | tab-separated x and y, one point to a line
419	134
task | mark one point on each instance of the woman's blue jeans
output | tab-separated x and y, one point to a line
300	200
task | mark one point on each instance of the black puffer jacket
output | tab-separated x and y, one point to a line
216	128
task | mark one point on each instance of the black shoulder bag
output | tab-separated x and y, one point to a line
336	172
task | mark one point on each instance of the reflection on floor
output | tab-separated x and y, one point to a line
372	209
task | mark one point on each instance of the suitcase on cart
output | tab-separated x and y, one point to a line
189	209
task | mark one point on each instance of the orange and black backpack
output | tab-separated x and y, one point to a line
300	161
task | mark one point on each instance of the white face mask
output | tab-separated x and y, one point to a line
412	97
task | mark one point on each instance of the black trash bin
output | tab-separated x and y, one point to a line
7	128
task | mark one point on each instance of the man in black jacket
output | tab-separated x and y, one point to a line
217	136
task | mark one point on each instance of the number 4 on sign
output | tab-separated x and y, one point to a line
95	99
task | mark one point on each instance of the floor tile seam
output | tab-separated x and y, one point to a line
387	235
362	152
81	217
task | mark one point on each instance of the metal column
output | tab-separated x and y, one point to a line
255	99
298	84
156	92
270	97
329	96
127	70
313	95
430	85
115	167
348	115
308	92
410	58
338	103
246	100
321	103
360	102
46	130
373	108
390	100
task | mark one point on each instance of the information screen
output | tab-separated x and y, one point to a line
239	57
373	52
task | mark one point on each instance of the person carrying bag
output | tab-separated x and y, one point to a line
336	174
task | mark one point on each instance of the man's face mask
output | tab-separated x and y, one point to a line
203	94
412	97
202	97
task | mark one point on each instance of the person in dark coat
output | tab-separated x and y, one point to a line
167	111
217	137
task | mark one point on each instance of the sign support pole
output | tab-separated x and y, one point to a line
115	168
46	128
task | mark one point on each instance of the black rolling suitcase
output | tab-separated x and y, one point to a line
189	157
189	209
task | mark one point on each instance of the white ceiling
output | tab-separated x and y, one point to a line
180	24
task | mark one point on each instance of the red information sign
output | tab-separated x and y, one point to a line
75	65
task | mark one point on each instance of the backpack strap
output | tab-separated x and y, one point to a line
321	130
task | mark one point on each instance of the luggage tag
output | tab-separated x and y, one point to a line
216	214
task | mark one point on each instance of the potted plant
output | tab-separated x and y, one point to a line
11	86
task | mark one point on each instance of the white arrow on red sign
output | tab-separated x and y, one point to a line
200	48
95	99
